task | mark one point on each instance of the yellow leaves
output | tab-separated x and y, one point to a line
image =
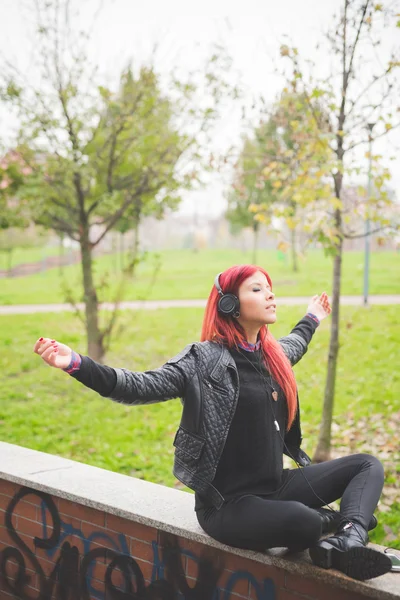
361	191
291	223
269	168
261	218
277	184
378	7
336	203
388	126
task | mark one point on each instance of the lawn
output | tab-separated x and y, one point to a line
186	274
28	255
45	409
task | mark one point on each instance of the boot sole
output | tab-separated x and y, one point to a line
358	563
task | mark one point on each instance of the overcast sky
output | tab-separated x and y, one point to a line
252	31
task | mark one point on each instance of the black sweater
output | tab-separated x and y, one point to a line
253	440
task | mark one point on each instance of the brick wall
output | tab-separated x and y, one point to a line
54	548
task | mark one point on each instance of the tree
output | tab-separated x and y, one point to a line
272	169
359	91
96	154
13	217
248	189
163	148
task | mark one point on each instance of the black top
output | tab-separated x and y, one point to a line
252	458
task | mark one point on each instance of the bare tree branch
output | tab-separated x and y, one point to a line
377	137
377	230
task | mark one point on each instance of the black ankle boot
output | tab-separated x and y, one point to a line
331	521
347	552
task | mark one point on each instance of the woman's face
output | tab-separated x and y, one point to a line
257	302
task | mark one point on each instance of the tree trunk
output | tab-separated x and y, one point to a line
9	262
256	230
295	266
94	337
61	254
322	452
135	247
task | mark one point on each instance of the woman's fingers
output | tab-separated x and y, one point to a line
49	354
42	347
38	344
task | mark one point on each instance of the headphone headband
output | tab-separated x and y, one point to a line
218	285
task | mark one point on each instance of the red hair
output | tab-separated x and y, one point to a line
228	331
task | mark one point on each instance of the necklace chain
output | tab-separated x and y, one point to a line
274	391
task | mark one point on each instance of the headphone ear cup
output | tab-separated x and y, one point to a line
229	304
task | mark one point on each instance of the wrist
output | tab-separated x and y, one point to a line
74	364
314	317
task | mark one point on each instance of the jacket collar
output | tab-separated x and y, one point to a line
224	361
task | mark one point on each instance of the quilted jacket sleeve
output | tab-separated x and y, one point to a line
296	343
129	387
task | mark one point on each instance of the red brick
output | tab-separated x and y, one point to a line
14	521
33	528
98	586
99	570
131	528
146	568
81	512
6	541
4	535
4	502
33	498
317	589
48	564
241	587
27	510
8	488
142	550
258	570
282	594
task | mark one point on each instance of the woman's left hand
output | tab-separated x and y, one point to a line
319	306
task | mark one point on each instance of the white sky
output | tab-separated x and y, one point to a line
252	31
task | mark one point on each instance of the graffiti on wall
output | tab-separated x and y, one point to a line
71	577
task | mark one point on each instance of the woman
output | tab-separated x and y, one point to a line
240	415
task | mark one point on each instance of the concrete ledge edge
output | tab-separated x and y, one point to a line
17	458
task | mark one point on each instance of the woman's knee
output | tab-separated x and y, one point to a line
372	462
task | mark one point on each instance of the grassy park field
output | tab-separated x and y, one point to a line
188	274
44	409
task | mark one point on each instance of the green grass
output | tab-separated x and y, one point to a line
185	274
44	409
21	256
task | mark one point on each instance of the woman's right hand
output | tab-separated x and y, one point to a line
53	353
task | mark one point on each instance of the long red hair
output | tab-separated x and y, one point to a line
228	331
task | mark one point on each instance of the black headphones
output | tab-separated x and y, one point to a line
228	304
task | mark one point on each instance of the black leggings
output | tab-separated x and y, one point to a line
284	518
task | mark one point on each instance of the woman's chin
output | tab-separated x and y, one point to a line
271	319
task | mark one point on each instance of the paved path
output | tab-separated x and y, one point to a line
25	309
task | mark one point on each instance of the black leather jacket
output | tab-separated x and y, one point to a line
204	375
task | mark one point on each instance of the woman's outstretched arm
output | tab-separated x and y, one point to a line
295	344
121	385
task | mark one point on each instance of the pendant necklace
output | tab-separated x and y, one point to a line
274	391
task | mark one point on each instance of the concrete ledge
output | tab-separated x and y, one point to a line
163	508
